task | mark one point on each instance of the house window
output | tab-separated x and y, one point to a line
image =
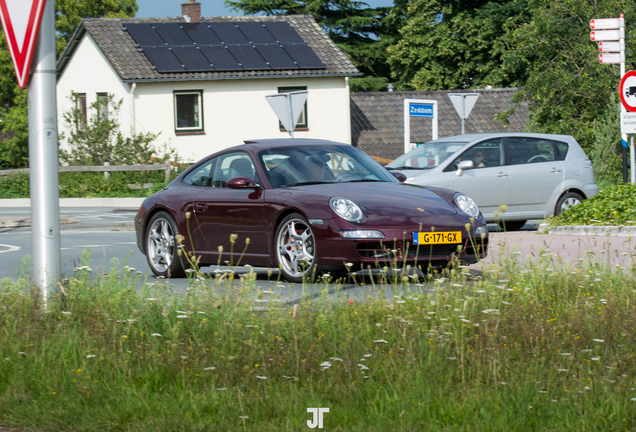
188	111
102	108
81	107
302	124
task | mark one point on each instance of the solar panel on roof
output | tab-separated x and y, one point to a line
144	34
172	34
163	59
192	58
304	56
276	56
256	33
201	34
220	57
283	32
228	33
248	57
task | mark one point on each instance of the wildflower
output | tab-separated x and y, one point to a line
367	355
201	312
182	316
151	299
503	208
209	368
380	341
155	335
66	313
362	367
247	240
90	356
22	353
400	301
220	248
244	417
595	358
566	354
335	359
233	238
184	357
325	365
458	285
261	377
348	265
222	388
378	325
188	214
598	340
562	370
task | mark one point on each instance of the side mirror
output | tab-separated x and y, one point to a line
398	175
241	183
464	165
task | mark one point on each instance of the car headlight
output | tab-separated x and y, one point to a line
467	205
346	209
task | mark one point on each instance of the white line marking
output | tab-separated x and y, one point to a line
11	248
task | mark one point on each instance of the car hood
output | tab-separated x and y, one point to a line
382	198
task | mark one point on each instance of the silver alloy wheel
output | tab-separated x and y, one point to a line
295	247
161	247
569	202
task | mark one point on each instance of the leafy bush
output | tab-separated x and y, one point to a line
98	139
606	153
614	206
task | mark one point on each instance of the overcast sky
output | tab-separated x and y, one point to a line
171	8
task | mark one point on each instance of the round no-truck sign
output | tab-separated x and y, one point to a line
627	91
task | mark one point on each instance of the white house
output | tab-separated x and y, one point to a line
202	82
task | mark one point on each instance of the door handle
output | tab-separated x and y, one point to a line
201	207
555	170
502	174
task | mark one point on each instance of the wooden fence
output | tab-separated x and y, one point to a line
107	168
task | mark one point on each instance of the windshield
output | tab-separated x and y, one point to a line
426	156
302	165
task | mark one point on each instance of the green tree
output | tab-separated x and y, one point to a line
567	89
454	44
363	33
13	108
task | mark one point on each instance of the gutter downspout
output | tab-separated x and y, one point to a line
133	87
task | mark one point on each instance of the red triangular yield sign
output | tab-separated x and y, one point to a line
21	23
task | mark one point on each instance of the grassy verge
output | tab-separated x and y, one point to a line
523	347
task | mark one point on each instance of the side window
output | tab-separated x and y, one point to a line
201	176
529	150
232	165
484	155
561	150
188	111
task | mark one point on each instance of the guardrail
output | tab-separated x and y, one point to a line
107	168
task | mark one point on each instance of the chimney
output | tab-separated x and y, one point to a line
191	11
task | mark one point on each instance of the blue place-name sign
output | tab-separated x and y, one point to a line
421	110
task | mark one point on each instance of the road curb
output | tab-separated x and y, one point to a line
617	231
125	203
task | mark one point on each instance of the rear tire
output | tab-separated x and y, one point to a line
566	201
161	246
511	225
295	247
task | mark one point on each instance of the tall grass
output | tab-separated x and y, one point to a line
525	346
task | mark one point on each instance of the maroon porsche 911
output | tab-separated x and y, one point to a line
305	205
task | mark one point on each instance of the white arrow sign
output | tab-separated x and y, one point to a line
607	23
610	58
603	35
609	46
288	107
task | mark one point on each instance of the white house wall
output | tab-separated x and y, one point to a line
233	110
236	110
89	72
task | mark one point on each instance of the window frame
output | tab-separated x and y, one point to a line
188	130
81	105
300	126
102	100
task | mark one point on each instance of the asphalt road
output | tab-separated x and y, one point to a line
108	233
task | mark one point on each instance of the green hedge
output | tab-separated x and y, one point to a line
89	184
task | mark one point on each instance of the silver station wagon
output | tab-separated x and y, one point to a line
533	175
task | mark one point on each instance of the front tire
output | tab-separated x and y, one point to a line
161	246
566	201
295	246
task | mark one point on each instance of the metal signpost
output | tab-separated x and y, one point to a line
21	20
611	33
463	103
288	107
418	108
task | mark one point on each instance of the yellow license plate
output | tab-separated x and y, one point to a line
429	238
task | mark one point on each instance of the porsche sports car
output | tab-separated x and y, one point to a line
305	206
